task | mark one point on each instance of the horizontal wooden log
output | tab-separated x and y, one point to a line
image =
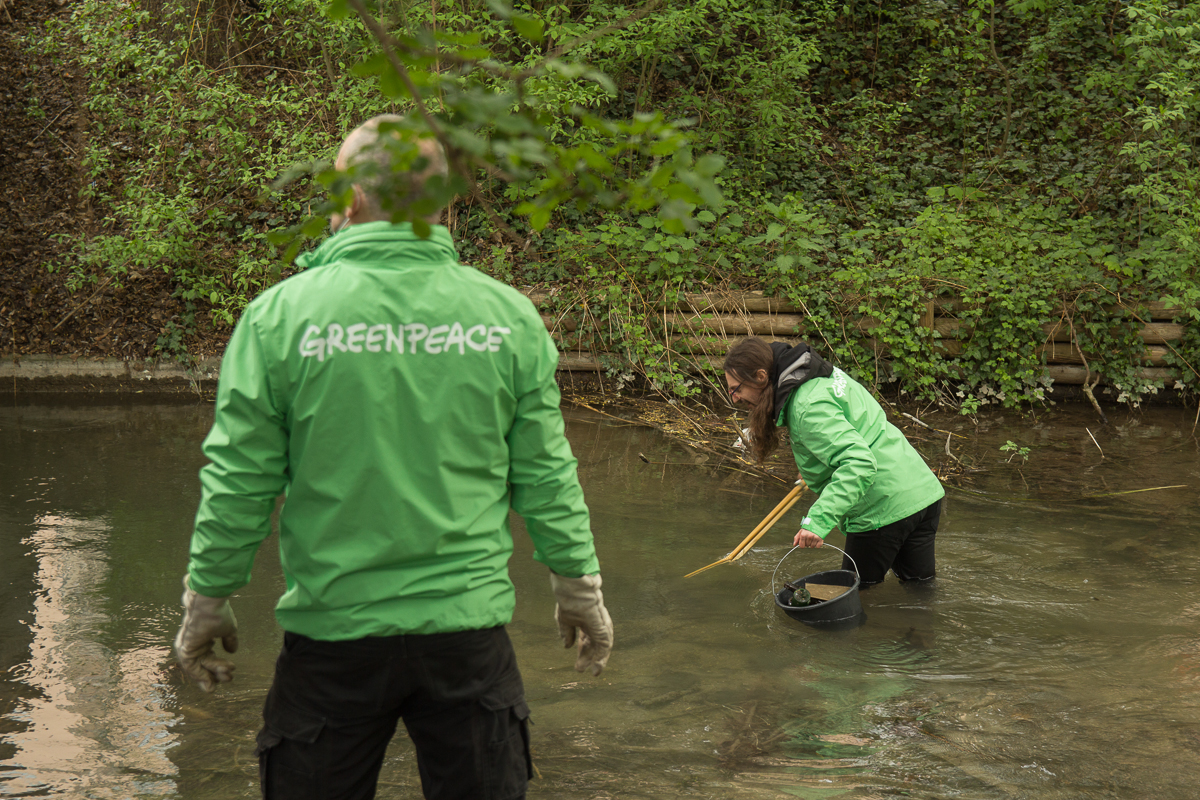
732	325
720	324
560	324
1153	333
735	302
948	347
1155	310
713	345
583	361
1075	376
720	301
1063	353
949	328
578	362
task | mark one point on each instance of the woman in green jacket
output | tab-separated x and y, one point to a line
871	483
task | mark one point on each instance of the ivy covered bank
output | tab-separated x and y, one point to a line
948	197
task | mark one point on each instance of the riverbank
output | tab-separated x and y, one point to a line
579	372
705	424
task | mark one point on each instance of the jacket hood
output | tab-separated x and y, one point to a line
794	366
368	239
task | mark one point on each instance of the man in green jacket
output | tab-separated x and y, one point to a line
872	484
402	403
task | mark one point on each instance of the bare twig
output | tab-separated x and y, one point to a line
1098	447
948	435
914	419
48	124
1087	388
926	425
72	312
1136	491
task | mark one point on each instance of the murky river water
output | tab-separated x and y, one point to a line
1058	655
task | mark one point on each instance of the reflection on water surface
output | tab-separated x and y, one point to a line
1057	656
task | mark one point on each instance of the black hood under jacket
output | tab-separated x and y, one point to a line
793	366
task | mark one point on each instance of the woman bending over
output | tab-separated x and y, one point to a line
871	483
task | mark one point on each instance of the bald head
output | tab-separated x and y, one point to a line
378	190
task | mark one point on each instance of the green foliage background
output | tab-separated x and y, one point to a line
1035	159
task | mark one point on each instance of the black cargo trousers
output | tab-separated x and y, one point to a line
905	546
334	706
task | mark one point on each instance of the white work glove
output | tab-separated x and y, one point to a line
205	619
581	606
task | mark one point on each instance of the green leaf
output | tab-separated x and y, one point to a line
500	8
392	86
338	10
375	65
528	28
314	227
672	224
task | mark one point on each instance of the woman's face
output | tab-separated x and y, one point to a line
745	391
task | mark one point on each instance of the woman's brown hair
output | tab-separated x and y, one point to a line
743	361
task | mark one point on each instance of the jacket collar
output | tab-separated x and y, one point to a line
370	240
793	367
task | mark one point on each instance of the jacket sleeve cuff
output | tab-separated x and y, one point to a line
213	590
817	526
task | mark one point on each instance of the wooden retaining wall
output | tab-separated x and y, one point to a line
702	327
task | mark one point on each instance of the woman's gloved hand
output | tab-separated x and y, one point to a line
205	619
582	618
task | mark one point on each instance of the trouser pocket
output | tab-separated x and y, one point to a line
285	748
509	763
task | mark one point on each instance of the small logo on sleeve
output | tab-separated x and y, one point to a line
839	382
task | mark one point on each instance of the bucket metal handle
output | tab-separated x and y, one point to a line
797	547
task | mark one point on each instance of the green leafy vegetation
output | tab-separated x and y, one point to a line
1018	165
1014	451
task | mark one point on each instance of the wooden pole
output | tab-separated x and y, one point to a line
768	521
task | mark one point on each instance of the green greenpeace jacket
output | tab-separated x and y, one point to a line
865	471
403	403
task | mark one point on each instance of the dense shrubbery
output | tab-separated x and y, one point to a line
1035	158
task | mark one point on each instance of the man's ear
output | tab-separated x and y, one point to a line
358	203
761	377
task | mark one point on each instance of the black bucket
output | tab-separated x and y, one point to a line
843	611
